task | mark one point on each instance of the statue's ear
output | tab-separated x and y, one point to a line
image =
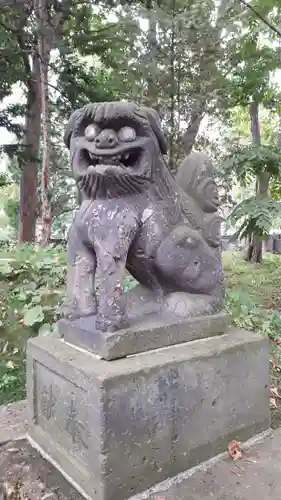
154	122
70	126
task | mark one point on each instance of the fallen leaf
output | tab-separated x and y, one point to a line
278	342
234	450
272	403
273	363
274	393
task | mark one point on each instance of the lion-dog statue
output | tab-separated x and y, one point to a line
134	215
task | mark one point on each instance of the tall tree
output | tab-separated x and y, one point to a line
279	110
44	35
151	77
68	27
251	88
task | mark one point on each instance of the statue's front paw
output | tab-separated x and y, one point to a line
72	311
111	324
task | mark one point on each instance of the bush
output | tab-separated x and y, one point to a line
244	313
32	290
32	287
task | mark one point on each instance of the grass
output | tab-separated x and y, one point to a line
254	302
261	282
32	288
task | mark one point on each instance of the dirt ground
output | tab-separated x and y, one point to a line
24	474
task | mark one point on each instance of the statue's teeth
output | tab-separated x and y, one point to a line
126	156
119	157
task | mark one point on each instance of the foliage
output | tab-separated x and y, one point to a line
275	188
3	179
245	313
9	204
31	291
255	59
73	32
12	207
32	288
254	303
245	163
250	78
256	216
184	58
239	126
253	297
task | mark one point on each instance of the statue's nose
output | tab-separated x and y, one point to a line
107	139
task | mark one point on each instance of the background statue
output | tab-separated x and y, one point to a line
135	215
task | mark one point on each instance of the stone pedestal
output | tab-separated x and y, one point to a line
146	334
116	428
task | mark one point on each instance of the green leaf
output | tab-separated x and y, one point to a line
45	329
22	296
7	380
33	315
5	268
255	216
36	299
249	161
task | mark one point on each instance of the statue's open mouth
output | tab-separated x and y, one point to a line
129	158
112	172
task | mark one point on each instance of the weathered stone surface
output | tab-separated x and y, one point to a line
117	428
135	215
256	476
146	333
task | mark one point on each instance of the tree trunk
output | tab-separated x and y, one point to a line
279	132
279	114
178	106
172	95
255	123
29	160
191	132
151	99
254	252
44	48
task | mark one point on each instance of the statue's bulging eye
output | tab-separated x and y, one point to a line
91	132
127	134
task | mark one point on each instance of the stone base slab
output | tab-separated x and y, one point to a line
147	333
117	428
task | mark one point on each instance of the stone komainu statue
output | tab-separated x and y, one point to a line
135	215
